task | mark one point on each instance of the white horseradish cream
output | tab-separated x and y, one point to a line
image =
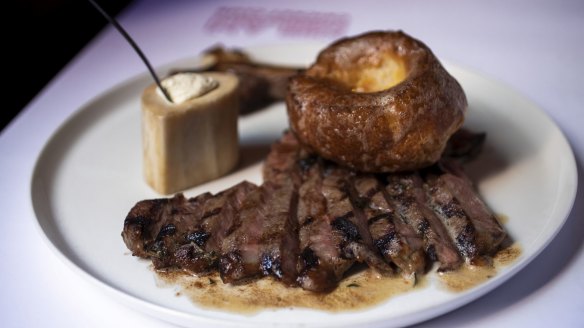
184	86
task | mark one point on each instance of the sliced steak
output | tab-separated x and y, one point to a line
156	228
170	231
454	218
347	210
410	201
143	223
202	253
332	236
489	232
265	233
283	160
397	242
312	220
322	264
220	214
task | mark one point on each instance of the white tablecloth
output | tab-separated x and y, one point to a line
534	47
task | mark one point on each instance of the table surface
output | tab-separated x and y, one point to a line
534	47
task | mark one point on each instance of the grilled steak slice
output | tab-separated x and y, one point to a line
171	231
397	241
282	161
489	232
201	254
334	231
265	231
155	228
454	218
141	225
346	208
367	250
410	202
322	200
220	213
322	264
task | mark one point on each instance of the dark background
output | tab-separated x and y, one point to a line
40	38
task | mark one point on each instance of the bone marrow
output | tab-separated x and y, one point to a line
194	139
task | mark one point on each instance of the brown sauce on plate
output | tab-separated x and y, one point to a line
469	276
360	290
356	292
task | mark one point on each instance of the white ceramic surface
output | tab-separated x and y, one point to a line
89	176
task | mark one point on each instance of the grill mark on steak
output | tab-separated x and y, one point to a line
198	237
347	228
352	246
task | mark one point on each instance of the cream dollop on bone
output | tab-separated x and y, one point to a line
185	86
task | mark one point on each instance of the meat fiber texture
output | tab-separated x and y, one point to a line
313	220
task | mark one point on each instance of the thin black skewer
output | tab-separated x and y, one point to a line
134	45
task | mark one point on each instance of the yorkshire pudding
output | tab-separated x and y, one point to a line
376	102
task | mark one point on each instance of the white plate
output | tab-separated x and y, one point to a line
89	175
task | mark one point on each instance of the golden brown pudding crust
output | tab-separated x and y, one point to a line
376	102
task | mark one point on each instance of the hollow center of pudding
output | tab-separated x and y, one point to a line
373	73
